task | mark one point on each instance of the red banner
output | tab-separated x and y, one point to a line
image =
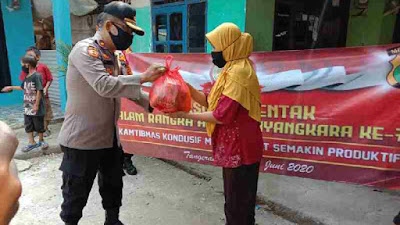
327	114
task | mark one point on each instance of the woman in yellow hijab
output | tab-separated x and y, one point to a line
233	121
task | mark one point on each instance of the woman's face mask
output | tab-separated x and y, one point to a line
218	59
123	40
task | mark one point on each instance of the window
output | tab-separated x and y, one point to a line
161	28
168	29
176	26
179	26
300	24
197	20
162	2
5	78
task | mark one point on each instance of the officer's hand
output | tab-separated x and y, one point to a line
152	73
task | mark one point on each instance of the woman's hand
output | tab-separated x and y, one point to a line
205	116
177	114
198	96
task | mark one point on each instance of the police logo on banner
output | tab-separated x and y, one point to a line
393	78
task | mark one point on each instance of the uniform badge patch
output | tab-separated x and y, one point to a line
122	57
93	52
128	70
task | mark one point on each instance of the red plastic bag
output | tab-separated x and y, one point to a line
170	93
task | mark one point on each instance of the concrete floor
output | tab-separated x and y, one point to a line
183	193
159	194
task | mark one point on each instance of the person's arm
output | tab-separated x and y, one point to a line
198	96
94	72
46	88
205	116
225	112
39	89
10	188
143	101
49	78
10	88
37	103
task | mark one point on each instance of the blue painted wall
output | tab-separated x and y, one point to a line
62	31
18	26
143	18
220	11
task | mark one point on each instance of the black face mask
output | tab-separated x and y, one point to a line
218	59
123	40
25	69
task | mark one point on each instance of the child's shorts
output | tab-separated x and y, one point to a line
34	123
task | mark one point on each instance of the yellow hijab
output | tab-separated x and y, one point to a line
238	79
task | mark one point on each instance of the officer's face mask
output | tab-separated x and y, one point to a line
218	59
123	40
25	69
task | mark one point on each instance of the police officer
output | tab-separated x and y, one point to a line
88	136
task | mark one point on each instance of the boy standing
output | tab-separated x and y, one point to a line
34	106
47	79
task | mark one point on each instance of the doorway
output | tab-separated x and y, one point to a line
5	77
304	24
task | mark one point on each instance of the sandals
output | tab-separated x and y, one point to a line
30	147
43	145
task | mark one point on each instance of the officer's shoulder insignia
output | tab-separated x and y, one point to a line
102	44
93	52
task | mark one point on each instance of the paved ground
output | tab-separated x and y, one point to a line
51	140
159	194
312	202
167	192
14	115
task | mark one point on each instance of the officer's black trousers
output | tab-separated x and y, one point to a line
79	171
